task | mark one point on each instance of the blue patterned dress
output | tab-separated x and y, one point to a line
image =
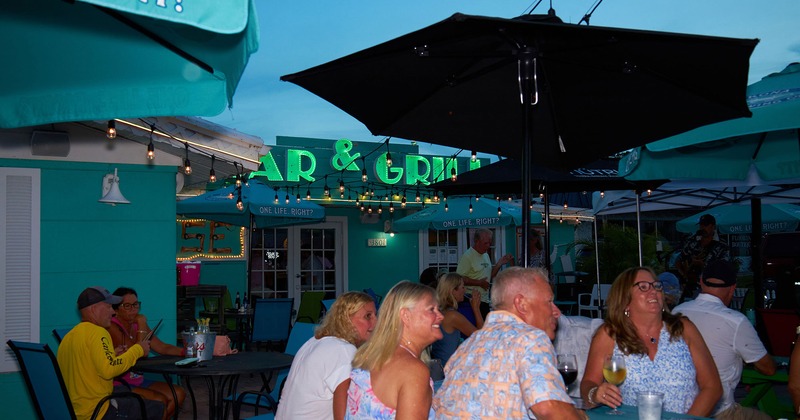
671	372
363	404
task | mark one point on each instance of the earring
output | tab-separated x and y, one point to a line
627	313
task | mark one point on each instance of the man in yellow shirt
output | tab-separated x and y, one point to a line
477	268
89	362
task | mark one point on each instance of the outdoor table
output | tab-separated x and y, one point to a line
226	370
631	413
762	395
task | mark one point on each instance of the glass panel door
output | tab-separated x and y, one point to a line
269	263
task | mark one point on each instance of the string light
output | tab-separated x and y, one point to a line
474	156
470	208
565	205
151	149
326	191
391	207
388	154
111	131
287	197
403	202
276	196
239	203
212	176
363	170
298	198
417	198
446	207
453	176
380	208
341	185
238	177
187	166
602	194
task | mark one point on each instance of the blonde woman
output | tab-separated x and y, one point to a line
388	379
316	387
450	291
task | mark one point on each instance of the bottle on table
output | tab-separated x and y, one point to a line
238	302
245	303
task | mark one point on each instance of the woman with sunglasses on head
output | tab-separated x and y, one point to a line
662	352
128	327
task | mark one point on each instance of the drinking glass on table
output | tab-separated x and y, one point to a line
568	368
614	373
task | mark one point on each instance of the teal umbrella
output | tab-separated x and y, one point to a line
760	149
736	219
258	203
102	59
465	212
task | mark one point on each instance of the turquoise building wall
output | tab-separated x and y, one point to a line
86	243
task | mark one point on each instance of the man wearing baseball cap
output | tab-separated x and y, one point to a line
729	336
699	250
89	362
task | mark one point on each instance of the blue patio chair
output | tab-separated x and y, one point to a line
46	385
301	332
327	303
376	297
271	321
59	333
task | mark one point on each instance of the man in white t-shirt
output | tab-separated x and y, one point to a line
730	337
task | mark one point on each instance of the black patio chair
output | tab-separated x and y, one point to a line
46	385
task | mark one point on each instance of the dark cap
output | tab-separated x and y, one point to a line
96	294
707	219
720	270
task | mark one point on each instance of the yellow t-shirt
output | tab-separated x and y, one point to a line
476	266
88	364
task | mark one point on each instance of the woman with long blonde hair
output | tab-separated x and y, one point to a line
320	374
388	377
450	291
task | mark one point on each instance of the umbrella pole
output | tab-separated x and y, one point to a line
527	74
597	261
755	251
548	263
639	225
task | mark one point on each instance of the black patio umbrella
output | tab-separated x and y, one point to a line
554	94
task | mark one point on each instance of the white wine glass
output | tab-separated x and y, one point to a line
567	365
614	372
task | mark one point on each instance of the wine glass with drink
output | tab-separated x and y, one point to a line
568	368
614	372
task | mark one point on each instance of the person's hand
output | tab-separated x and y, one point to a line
505	259
146	346
120	349
475	300
484	283
608	394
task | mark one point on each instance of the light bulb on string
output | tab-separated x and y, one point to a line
326	191
151	148
363	170
298	197
391	207
341	185
470	208
369	208
602	194
403	202
239	203
111	130
276	197
417	199
649	192
474	156
187	166
212	176
565	205
287	198
308	194
238	177
388	154
453	176
358	200
380	207
446	207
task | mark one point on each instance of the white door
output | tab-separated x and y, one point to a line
284	262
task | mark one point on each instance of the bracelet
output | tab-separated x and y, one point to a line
590	396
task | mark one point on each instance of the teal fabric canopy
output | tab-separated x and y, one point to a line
736	219
455	214
258	203
104	59
764	148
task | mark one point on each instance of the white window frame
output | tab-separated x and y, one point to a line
20	229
